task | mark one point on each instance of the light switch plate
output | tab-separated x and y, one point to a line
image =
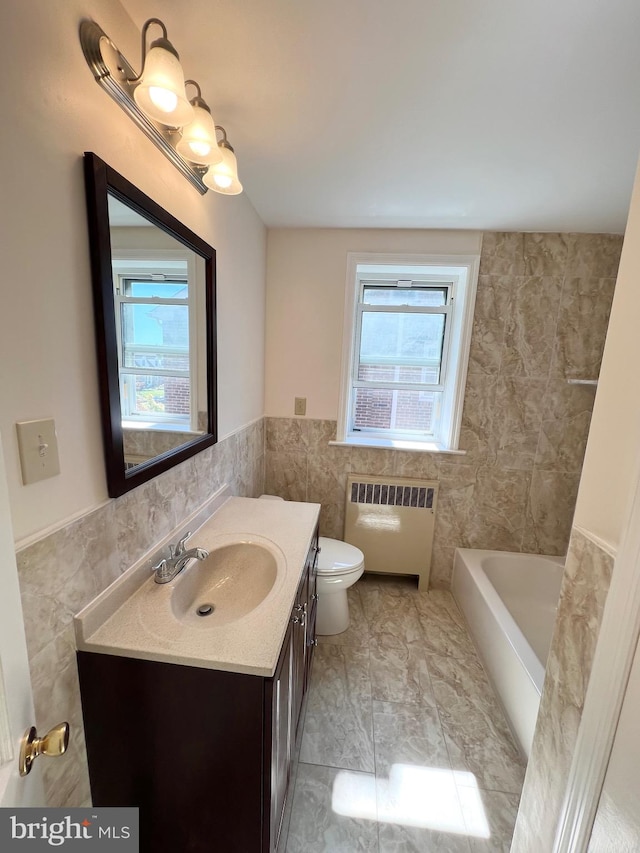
300	406
38	447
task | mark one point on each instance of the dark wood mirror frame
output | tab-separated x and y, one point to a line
100	181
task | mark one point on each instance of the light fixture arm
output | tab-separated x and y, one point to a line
198	101
161	42
224	142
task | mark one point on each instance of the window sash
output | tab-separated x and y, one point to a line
391	361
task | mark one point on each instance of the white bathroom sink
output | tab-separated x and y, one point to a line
225	587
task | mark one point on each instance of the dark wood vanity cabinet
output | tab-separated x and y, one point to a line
206	755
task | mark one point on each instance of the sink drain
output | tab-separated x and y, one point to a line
205	610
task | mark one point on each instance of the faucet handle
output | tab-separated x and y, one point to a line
160	568
178	549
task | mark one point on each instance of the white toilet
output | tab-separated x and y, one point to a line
340	565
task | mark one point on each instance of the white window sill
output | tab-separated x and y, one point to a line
159	426
398	444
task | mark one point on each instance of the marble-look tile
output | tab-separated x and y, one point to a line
529	336
398	629
338	728
357	634
334	811
493	297
386	595
286	474
478	417
478	738
562	444
440	600
582	599
551	504
455	502
396	838
487	341
327	475
546	254
443	629
54	678
332	520
320	433
594	255
502	253
399	673
420	466
442	556
499	509
407	734
518	414
585	304
465	675
500	811
372	461
288	434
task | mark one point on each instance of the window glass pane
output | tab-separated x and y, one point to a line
406	340
414	296
376	408
155	335
155	395
405	373
156	289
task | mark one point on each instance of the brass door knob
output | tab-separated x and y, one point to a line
53	744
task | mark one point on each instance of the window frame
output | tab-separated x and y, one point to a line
459	273
141	264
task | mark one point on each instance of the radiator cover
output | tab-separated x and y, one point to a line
391	520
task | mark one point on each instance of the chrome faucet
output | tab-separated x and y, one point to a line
179	556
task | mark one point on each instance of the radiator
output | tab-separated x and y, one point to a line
391	520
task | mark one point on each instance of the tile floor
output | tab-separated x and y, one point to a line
404	748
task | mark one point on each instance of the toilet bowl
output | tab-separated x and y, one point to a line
340	565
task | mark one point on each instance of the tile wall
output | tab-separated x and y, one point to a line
60	573
540	318
584	591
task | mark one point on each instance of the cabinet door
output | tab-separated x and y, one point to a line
298	642
281	737
312	611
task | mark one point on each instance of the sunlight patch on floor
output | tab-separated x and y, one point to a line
422	797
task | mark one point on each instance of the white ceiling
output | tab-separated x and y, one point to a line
490	114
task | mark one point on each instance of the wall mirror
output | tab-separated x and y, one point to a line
154	305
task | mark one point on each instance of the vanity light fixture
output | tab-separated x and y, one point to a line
223	178
160	90
199	142
156	100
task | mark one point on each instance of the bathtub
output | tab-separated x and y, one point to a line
509	602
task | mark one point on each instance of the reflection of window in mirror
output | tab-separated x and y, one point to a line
155	313
159	307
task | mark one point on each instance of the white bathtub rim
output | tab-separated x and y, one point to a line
529	660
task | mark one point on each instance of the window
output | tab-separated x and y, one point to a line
407	334
153	306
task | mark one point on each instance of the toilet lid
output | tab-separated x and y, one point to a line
338	557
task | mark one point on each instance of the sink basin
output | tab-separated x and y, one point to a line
229	584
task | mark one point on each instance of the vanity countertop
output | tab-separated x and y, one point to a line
133	617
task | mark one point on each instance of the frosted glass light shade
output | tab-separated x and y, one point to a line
160	92
199	142
223	178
